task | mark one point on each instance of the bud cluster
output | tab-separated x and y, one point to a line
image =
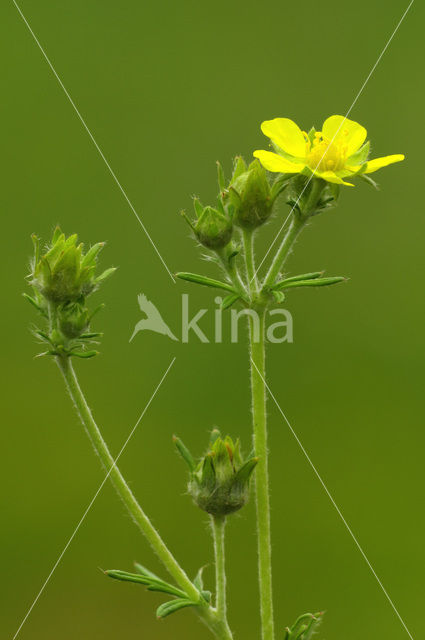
62	277
246	201
219	482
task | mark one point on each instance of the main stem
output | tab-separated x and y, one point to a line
207	614
218	527
258	390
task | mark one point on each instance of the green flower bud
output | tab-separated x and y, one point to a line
62	278
213	228
219	483
250	195
63	273
309	196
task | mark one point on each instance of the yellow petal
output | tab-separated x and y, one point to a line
345	132
330	176
377	163
274	162
287	135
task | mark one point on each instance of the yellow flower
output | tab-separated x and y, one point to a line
336	152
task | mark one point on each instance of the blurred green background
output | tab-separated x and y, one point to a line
167	89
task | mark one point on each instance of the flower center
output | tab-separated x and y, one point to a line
326	155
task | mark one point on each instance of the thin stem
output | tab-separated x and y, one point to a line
248	244
232	271
218	527
297	224
207	614
257	353
124	491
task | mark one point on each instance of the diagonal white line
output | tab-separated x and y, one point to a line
83	122
336	133
347	526
55	566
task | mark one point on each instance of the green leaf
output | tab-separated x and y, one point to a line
303	276
149	581
319	282
90	256
172	606
369	180
106	274
43	336
34	303
207	282
84	354
220	177
199	209
360	156
304	627
229	300
185	453
239	167
145	572
36	244
198	580
279	296
279	185
244	473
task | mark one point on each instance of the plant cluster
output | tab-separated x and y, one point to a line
303	170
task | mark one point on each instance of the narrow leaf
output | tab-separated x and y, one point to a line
33	302
106	274
229	300
145	572
185	453
244	473
84	354
319	282
198	581
199	209
279	296
370	181
303	276
91	254
152	584
220	177
172	606
207	282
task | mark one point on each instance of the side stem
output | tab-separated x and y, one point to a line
218	527
297	224
248	243
207	614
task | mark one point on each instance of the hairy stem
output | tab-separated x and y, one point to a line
297	224
207	614
257	353
291	235
256	324
231	270
248	243
218	527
